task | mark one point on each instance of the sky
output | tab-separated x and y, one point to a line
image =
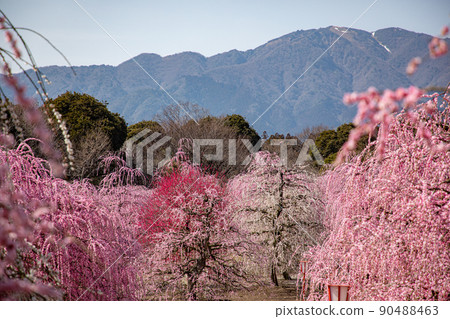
167	27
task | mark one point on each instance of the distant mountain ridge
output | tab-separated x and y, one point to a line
248	82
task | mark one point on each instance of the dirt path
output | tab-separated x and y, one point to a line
285	292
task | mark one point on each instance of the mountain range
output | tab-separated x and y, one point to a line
248	82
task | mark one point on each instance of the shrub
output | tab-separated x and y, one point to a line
82	113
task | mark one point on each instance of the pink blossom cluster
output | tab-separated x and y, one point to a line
377	110
413	65
437	47
10	38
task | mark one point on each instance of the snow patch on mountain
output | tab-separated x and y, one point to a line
385	47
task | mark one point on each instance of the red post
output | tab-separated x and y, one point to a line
303	268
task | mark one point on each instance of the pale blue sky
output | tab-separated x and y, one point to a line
208	27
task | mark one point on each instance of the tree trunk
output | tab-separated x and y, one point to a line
273	274
191	295
276	231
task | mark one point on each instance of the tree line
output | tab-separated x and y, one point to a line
95	132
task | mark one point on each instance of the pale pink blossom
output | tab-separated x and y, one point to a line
412	65
437	47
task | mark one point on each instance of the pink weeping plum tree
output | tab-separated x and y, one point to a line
60	240
194	248
387	211
24	271
85	235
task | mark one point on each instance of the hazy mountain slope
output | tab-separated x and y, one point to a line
249	82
